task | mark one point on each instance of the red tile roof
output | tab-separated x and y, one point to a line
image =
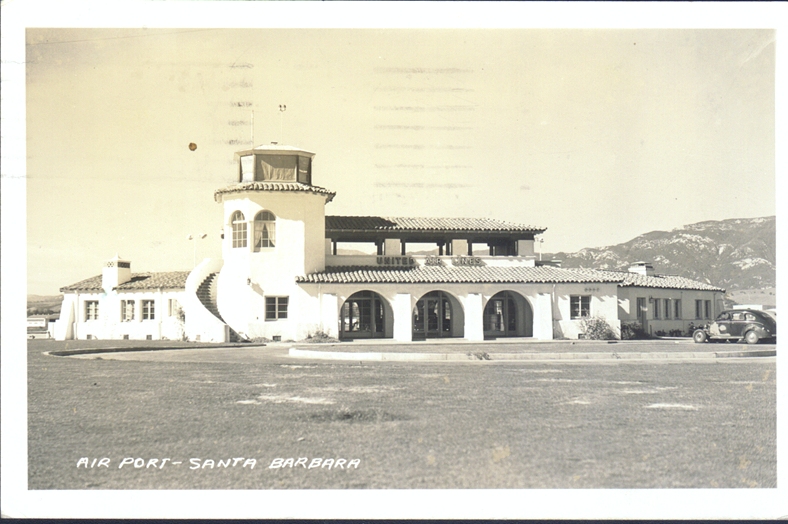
447	225
139	281
456	275
490	275
662	281
273	186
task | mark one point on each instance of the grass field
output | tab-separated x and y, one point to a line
410	425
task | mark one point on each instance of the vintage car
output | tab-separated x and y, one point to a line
748	325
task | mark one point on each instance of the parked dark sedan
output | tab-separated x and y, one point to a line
748	325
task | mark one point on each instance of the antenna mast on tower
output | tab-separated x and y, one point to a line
282	109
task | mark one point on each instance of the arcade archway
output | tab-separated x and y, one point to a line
437	315
508	314
365	315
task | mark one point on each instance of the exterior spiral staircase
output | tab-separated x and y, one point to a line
204	294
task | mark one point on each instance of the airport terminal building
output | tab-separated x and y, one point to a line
285	275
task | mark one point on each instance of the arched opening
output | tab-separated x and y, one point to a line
508	314
437	315
365	315
264	230
238	223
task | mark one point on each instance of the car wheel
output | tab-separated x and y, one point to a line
699	336
751	337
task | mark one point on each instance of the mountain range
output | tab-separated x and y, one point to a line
738	253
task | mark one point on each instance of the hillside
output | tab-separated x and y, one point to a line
43	304
738	253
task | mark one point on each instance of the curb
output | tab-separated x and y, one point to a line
86	351
744	354
482	356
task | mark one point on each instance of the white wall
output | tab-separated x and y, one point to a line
419	260
604	304
468	301
248	277
64	328
627	307
109	326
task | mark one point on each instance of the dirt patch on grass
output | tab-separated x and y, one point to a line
355	416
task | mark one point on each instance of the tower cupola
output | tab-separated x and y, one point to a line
275	163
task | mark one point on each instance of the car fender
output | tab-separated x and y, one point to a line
760	330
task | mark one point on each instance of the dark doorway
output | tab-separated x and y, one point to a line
363	315
508	314
433	316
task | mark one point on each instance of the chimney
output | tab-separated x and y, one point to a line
115	272
642	268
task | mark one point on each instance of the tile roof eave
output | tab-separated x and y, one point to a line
663	282
373	275
485	275
283	186
700	287
340	224
146	281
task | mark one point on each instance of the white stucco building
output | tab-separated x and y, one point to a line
119	304
284	275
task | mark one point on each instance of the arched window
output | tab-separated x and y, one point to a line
239	229
264	230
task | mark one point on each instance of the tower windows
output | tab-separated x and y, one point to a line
264	230
239	229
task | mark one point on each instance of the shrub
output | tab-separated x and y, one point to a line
320	337
632	331
597	328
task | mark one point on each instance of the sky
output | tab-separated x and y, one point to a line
597	135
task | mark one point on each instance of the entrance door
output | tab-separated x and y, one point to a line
500	316
432	316
642	312
362	316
